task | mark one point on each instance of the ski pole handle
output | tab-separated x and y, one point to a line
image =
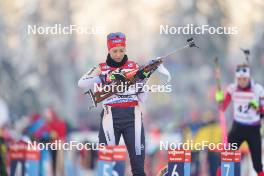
217	74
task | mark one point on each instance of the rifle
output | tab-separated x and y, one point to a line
132	77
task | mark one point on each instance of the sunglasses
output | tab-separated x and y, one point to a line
244	70
115	35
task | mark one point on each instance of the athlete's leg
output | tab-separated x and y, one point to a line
109	132
135	141
254	142
237	134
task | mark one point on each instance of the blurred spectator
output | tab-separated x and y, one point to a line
203	129
38	129
57	129
56	125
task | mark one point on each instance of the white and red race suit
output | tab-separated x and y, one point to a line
242	112
122	115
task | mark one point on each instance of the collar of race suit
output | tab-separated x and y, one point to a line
245	88
110	62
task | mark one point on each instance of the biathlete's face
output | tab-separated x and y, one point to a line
243	82
117	53
243	76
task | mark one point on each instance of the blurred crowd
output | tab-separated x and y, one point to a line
49	126
43	127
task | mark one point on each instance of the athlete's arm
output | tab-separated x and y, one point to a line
227	97
261	101
90	78
226	101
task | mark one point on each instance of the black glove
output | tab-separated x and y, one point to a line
141	74
113	76
119	76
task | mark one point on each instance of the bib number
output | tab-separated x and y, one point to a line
243	109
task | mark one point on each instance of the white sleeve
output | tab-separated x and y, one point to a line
260	94
4	113
90	78
231	88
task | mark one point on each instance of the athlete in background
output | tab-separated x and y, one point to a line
248	103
